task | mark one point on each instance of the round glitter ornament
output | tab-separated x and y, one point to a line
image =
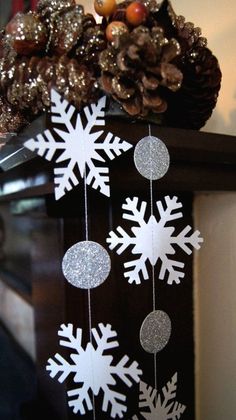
155	331
86	265
151	158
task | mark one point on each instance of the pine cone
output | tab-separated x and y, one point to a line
11	120
138	67
193	104
27	85
92	42
45	8
27	34
66	29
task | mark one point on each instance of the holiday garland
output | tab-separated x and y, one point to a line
142	55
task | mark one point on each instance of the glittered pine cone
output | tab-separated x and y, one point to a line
138	67
65	30
26	34
46	8
190	105
11	119
27	84
193	104
91	43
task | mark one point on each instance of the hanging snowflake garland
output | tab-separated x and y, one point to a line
160	407
78	144
153	240
93	370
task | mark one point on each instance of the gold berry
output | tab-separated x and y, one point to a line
115	28
104	7
136	13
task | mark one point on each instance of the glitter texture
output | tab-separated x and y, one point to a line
86	265
155	332
151	158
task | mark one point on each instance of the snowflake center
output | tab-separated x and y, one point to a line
153	240
93	368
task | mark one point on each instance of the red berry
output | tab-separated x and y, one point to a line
104	7
136	13
115	28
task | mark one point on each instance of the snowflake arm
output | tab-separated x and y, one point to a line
62	111
44	145
125	372
183	241
95	114
64	179
98	178
156	407
113	146
171	266
81	397
147	396
115	399
59	365
167	214
169	393
138	265
132	213
124	240
70	340
106	340
177	410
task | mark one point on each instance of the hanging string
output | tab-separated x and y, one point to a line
153	268
89	292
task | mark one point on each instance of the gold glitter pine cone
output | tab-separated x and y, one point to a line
28	83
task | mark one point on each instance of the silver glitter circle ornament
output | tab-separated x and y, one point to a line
155	332
86	265
151	158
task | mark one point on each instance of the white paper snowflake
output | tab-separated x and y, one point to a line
165	408
93	370
153	240
79	145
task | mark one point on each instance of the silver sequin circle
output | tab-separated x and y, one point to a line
155	332
86	265
151	158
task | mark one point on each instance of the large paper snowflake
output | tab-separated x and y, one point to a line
153	240
79	146
93	370
165	408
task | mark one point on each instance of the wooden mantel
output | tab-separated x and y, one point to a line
199	161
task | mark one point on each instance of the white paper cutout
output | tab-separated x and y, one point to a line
153	240
93	370
165	408
79	145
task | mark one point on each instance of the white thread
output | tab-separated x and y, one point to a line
89	293
153	268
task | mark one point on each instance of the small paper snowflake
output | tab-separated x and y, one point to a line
93	370
153	240
164	408
79	145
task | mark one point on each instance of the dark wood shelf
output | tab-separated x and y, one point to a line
199	161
